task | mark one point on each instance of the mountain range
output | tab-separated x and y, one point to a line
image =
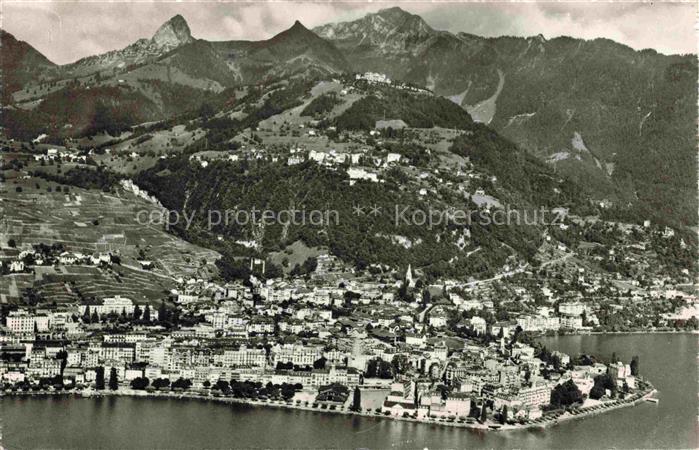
619	122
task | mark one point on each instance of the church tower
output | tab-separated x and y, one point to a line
409	281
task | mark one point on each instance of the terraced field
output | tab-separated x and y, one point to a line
90	222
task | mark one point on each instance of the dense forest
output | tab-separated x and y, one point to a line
358	238
419	111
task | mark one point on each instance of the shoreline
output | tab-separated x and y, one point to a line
633	332
544	422
615	333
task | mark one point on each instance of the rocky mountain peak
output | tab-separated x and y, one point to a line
298	29
394	12
173	33
408	21
388	30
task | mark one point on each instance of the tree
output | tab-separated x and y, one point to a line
137	313
146	314
139	383
597	392
163	312
86	316
566	394
160	383
378	368
223	386
602	383
357	400
503	414
484	414
206	110
11	243
320	363
182	383
99	378
62	355
113	379
399	364
634	365
310	264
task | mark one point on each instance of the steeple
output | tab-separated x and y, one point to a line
409	277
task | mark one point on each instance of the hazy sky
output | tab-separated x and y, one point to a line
65	31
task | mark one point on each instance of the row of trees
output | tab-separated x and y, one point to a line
113	383
143	315
254	390
141	383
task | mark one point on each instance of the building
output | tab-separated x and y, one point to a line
373	77
22	322
458	404
244	357
619	370
478	324
298	355
571	308
573	323
361	174
538	323
401	400
112	305
535	396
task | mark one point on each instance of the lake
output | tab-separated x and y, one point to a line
669	361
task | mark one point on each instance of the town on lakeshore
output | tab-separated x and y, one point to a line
311	221
332	341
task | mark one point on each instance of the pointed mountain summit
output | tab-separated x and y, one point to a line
296	43
173	33
298	26
297	33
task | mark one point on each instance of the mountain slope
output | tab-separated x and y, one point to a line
449	164
171	73
172	34
618	121
20	63
597	110
293	51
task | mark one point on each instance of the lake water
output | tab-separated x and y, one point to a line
668	361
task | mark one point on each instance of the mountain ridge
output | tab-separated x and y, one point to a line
632	110
20	63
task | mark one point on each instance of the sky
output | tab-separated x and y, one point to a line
65	31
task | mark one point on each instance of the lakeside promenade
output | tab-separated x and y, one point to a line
549	419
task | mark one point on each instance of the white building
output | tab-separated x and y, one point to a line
571	308
21	322
478	324
361	174
373	77
111	305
